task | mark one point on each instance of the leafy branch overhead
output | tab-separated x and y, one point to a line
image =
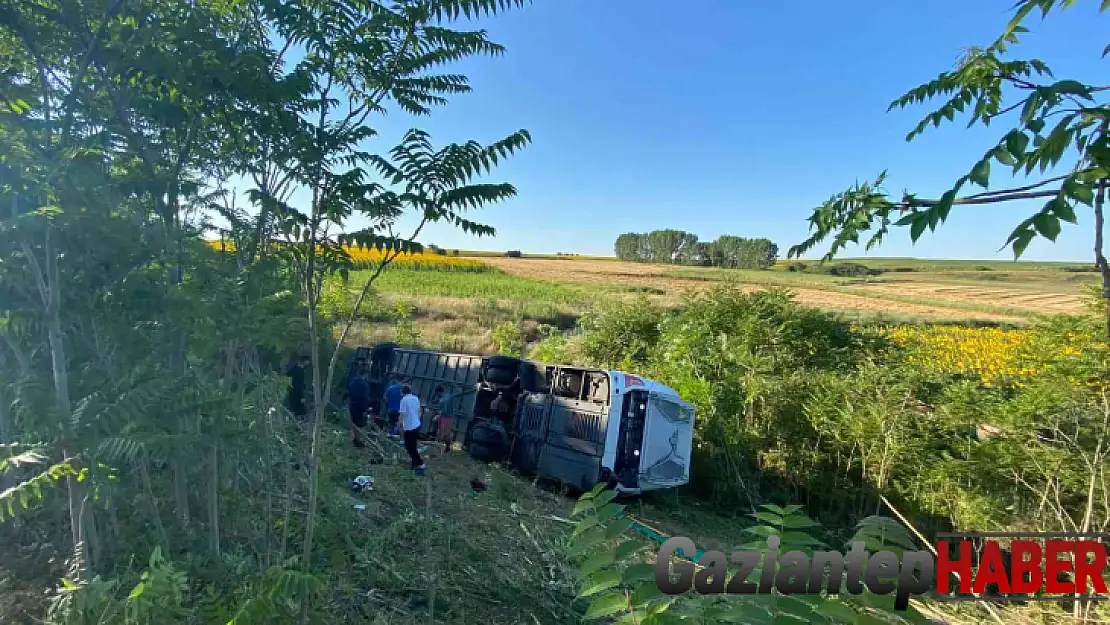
1051	123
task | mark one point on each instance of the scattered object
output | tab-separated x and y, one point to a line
477	484
360	507
362	483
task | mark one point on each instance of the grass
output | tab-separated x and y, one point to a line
928	264
430	543
489	284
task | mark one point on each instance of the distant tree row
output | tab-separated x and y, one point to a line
683	248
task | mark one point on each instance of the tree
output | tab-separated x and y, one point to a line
1049	124
125	339
629	247
360	56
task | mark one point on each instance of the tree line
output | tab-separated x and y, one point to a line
677	247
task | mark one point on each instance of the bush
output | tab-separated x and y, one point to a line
852	270
513	254
621	335
796	267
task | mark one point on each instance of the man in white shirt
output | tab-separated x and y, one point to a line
410	423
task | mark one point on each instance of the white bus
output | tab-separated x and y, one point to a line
576	425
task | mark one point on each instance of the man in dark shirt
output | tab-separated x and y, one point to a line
358	396
296	373
392	398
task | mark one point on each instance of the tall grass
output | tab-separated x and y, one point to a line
489	284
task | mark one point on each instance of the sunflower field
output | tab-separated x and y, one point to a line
994	355
368	258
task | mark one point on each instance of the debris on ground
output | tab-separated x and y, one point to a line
477	484
362	483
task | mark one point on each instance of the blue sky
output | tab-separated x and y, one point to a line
725	116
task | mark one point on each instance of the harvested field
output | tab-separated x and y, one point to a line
1035	301
809	290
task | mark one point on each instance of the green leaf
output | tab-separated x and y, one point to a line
636	617
616	529
585	542
626	549
1035	125
1021	241
645	593
1002	155
639	572
799	539
1047	225
605	498
582	506
1063	210
767	517
905	220
595	562
1072	87
733	614
1079	191
981	173
584	525
920	221
609	511
605	606
599	582
1016	142
136	592
798	521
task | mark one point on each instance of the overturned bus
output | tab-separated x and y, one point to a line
575	425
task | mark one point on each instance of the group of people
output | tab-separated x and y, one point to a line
402	408
403	413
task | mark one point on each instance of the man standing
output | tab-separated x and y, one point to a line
296	373
392	397
358	396
410	422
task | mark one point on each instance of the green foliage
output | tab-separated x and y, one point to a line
509	338
1050	122
683	248
616	575
28	491
406	332
621	335
141	362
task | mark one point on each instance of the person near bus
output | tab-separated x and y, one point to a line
358	397
392	398
410	423
443	403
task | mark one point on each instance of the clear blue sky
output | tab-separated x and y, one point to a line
726	116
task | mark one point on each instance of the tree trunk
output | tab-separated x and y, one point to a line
75	491
1100	258
317	421
214	501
